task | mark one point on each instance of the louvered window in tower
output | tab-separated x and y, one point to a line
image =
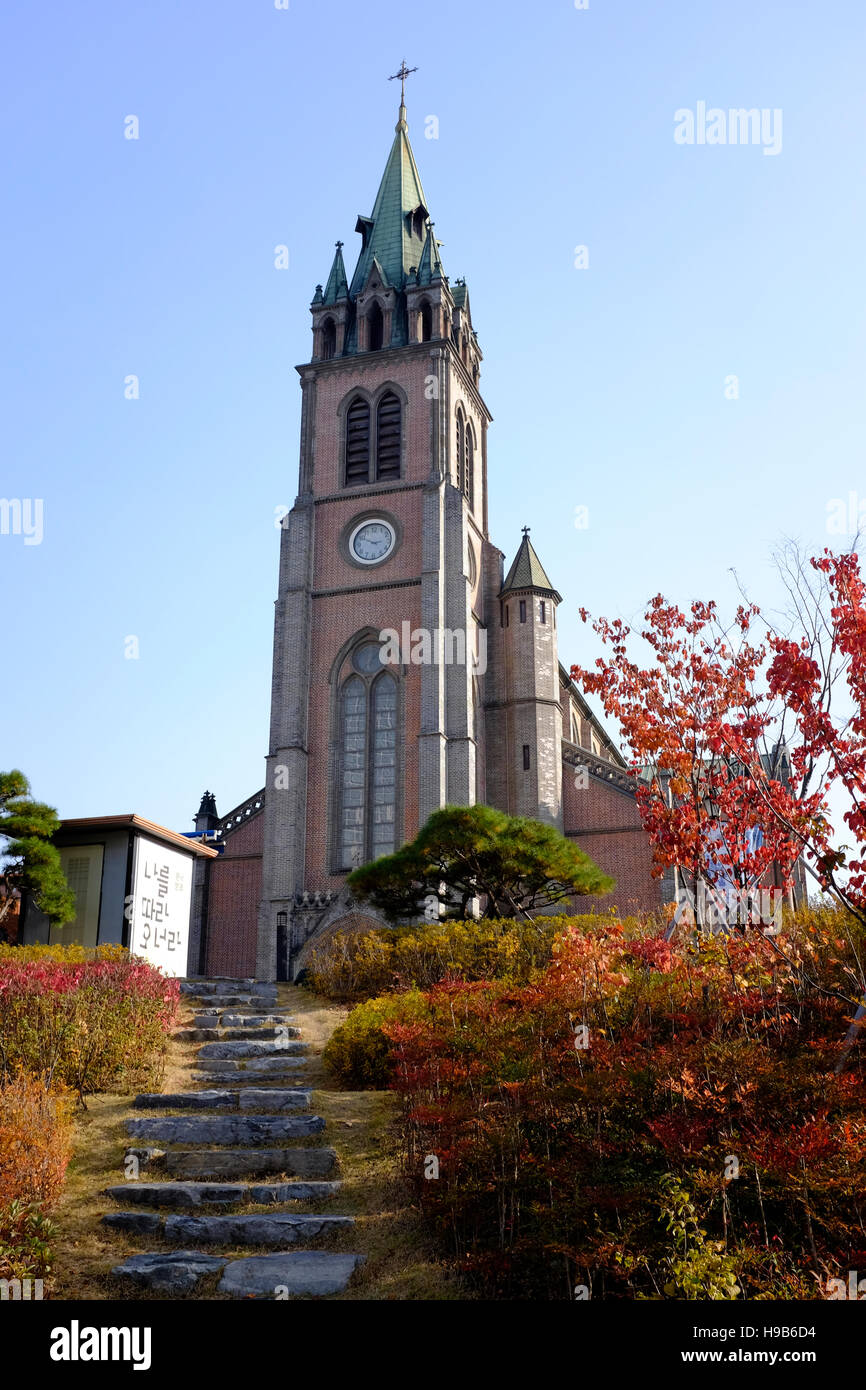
461	449
375	329
329	339
357	443
388	429
426	321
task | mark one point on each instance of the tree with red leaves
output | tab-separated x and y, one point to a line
737	747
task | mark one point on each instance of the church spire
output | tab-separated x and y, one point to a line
527	572
337	286
393	235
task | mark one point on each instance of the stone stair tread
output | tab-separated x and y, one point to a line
291	1098
169	1271
236	1034
290	1075
304	1162
216	1018
228	1051
312	1272
233	1001
195	1194
223	1129
250	1066
275	1229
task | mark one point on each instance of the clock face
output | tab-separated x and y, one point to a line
372	541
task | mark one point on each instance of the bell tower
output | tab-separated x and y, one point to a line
388	535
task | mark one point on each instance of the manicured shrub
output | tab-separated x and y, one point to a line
353	966
98	1024
359	1053
35	1144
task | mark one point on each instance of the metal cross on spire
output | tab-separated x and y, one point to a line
402	74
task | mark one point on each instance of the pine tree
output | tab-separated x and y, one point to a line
32	861
518	866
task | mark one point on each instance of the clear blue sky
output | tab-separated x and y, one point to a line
260	127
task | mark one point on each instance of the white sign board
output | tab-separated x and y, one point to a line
158	909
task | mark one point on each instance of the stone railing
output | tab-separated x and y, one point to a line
600	768
240	814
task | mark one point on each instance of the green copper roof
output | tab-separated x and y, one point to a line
389	234
430	265
527	572
337	286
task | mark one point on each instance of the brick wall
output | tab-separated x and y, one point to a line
606	824
233	902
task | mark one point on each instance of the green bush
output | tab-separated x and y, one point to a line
358	1054
351	966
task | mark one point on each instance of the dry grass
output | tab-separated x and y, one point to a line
400	1262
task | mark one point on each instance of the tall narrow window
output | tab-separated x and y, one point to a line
426	321
388	426
468	465
523	610
353	731
367	730
384	767
461	448
543	611
329	339
357	443
526	757
375	329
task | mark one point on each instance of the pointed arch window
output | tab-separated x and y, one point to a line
388	430
469	468
358	443
367	731
465	456
426	321
375	328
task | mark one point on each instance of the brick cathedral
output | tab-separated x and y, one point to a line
389	533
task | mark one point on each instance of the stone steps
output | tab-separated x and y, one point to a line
204	1035
237	1163
273	1099
217	985
277	1229
224	1129
232	1080
251	1054
260	1002
215	1019
197	1194
314	1273
241	1051
251	1066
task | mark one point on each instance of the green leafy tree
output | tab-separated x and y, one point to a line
516	866
32	861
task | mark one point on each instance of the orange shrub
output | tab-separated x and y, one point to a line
35	1141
